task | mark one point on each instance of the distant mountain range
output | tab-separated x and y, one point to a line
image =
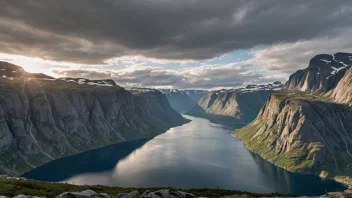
307	127
180	100
183	100
42	118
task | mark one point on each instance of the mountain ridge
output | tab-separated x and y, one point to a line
307	127
42	119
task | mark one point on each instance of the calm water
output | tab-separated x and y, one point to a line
196	155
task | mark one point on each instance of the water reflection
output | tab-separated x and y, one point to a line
87	162
199	154
295	183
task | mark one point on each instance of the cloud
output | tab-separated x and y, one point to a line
289	57
91	32
204	77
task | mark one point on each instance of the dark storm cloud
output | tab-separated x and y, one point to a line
91	31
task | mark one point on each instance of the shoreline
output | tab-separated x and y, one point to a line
347	183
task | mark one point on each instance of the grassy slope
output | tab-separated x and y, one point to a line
296	160
12	188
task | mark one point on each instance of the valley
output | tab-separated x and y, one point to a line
175	99
303	127
199	154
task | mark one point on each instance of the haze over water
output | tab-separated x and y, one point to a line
199	154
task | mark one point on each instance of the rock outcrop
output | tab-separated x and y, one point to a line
46	119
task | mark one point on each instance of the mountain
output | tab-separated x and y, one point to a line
322	74
183	100
46	119
8	70
307	128
234	105
196	95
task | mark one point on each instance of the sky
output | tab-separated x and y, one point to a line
185	44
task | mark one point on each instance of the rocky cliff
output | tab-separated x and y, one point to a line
307	127
302	133
322	74
45	119
236	105
343	91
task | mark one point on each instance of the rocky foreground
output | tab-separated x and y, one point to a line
20	187
165	193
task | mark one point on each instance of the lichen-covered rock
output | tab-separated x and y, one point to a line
133	194
157	194
185	194
83	194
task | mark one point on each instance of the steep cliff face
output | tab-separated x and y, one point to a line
343	91
243	105
302	133
322	75
236	105
42	120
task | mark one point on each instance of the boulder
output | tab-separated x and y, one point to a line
157	194
133	194
185	194
83	194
